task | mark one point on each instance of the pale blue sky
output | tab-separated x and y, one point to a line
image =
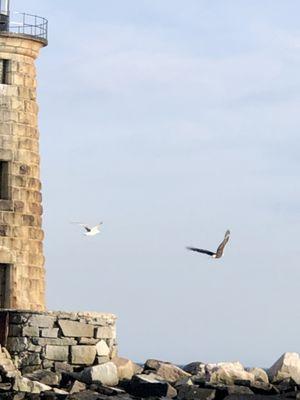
172	121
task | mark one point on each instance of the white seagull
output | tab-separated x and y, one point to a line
90	231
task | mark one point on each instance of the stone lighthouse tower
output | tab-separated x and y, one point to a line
22	273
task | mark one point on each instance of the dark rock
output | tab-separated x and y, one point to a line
62	367
86	395
189	392
252	397
148	386
5	387
195	368
287	385
263	388
242	382
240	390
46	377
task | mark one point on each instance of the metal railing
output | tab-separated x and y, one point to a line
28	24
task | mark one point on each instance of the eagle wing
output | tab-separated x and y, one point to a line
210	253
221	247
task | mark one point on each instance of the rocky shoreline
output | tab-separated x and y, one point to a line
122	379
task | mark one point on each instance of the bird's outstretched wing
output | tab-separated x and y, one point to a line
83	225
221	247
210	253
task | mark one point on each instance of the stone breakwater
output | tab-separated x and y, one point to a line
121	378
40	340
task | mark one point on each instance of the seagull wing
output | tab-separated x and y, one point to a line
83	225
221	247
210	253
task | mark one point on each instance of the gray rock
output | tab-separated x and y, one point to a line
90	341
169	372
57	353
5	387
105	332
76	329
30	331
46	377
83	355
288	366
30	359
85	395
17	344
263	388
63	367
28	386
195	368
143	385
234	389
54	342
195	393
126	368
77	387
107	374
41	321
49	333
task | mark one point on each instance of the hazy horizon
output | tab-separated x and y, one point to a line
171	123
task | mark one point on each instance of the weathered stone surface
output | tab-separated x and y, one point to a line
195	368
143	385
63	367
46	377
258	387
102	348
49	333
107	374
41	321
57	353
234	389
85	395
126	368
228	373
105	332
28	386
5	387
102	359
83	355
194	393
76	329
288	366
54	342
259	375
90	341
77	387
17	344
169	372
30	331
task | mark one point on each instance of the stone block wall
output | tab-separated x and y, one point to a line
21	234
40	340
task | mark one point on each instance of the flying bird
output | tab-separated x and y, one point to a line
220	249
90	231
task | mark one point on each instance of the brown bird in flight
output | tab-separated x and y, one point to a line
220	249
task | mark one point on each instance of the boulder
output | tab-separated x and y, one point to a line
44	376
167	371
77	387
150	385
106	374
288	366
126	368
259	374
85	395
195	393
228	373
195	368
28	386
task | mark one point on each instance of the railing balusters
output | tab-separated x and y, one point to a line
31	25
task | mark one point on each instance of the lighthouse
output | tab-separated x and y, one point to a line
22	271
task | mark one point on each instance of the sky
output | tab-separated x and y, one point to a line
171	122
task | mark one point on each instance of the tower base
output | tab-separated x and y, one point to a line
43	340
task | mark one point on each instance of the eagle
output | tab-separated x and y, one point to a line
220	249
